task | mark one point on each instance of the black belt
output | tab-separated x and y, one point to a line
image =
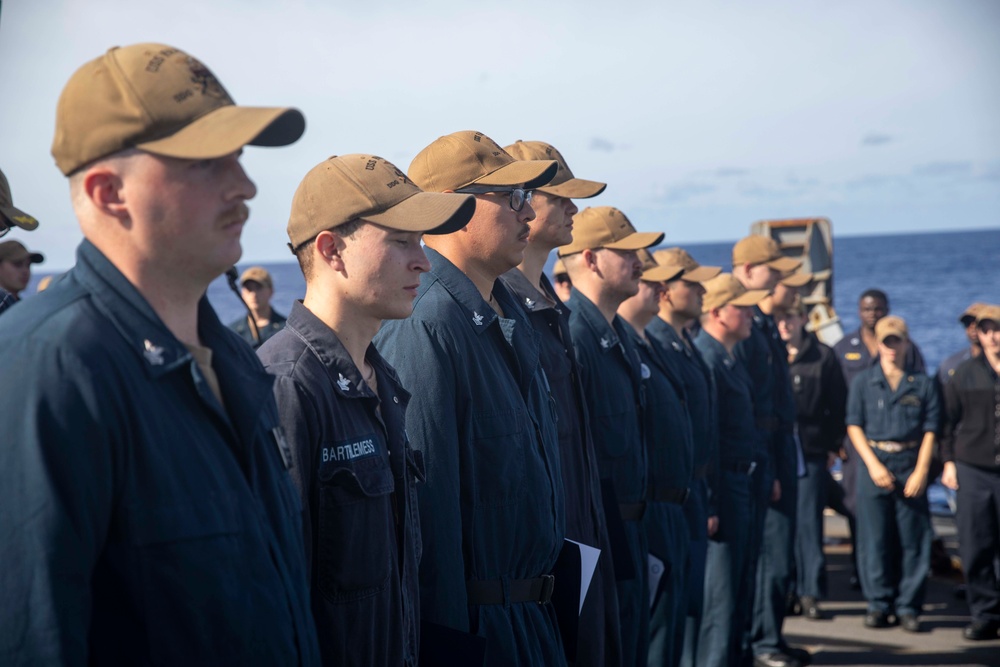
700	471
537	590
743	467
632	511
677	496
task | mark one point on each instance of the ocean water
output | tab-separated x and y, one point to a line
930	280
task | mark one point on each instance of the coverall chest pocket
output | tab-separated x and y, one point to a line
611	427
498	451
356	537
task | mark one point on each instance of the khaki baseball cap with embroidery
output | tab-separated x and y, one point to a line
466	158
692	271
653	272
352	187
762	250
890	325
725	290
564	183
10	214
163	101
606	227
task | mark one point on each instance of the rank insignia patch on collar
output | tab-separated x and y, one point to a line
529	302
477	319
343	382
153	353
605	343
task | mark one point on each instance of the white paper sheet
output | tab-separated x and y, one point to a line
588	564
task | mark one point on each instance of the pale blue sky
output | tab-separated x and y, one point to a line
702	116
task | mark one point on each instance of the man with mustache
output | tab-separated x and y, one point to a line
491	510
148	513
605	270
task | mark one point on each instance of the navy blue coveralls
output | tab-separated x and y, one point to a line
776	552
891	580
143	522
595	626
698	387
670	453
972	440
727	563
491	511
356	477
612	384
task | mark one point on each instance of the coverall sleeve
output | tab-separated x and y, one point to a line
298	417
856	402
57	493
426	364
932	407
836	399
951	416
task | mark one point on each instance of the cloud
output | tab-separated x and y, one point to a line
757	191
681	192
601	144
729	172
991	172
944	168
876	139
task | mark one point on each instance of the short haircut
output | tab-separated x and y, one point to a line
304	253
874	294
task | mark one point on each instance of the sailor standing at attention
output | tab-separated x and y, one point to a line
491	510
605	270
893	413
726	320
148	516
355	228
679	307
590	633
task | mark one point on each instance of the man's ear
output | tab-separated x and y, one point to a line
104	187
329	247
589	258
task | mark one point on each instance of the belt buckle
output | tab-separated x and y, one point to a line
548	586
753	466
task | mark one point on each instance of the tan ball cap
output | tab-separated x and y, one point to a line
989	312
467	158
971	313
606	227
797	279
13	251
692	271
762	250
564	183
890	325
351	187
161	100
653	272
11	214
725	290
257	274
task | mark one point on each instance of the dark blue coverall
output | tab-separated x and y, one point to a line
356	476
670	453
491	511
727	563
596	626
612	384
698	387
143	522
891	580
